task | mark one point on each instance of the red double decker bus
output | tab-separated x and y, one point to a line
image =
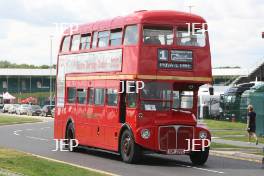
130	85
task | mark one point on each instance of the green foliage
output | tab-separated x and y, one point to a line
7	64
9	119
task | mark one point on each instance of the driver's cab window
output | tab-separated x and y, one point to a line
182	100
132	96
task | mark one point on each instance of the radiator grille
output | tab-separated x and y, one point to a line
174	137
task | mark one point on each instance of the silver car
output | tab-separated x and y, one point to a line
22	109
6	107
12	109
34	110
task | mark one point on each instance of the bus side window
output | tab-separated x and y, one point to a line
94	44
75	42
103	38
131	35
71	95
116	37
81	96
85	41
112	97
99	96
91	96
66	44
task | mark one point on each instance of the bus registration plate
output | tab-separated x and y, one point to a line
175	152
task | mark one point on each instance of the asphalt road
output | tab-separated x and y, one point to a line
37	139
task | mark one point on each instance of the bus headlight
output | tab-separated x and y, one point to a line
202	134
145	133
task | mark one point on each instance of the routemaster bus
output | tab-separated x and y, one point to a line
130	85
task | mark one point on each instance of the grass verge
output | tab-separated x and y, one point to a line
26	164
235	131
217	124
9	120
215	145
227	147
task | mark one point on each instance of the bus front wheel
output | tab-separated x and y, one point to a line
129	150
199	157
70	134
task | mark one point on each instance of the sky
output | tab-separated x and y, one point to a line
28	26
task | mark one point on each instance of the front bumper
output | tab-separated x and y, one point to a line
173	139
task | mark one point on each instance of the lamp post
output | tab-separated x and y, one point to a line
50	97
190	8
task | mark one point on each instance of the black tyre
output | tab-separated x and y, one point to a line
199	157
70	134
129	150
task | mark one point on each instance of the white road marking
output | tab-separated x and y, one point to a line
37	138
16	132
45	128
75	165
203	169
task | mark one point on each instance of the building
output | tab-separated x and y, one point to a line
233	76
23	83
226	76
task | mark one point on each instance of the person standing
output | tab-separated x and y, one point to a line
251	124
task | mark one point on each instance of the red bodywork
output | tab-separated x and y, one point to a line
100	126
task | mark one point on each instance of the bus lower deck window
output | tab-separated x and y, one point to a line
81	96
91	96
99	95
112	97
71	98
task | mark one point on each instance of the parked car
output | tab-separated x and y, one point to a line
22	109
46	110
6	107
33	110
53	113
12	109
1	107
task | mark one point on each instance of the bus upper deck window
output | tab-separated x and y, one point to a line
75	42
94	44
103	38
157	36
131	35
85	41
66	44
190	38
116	37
